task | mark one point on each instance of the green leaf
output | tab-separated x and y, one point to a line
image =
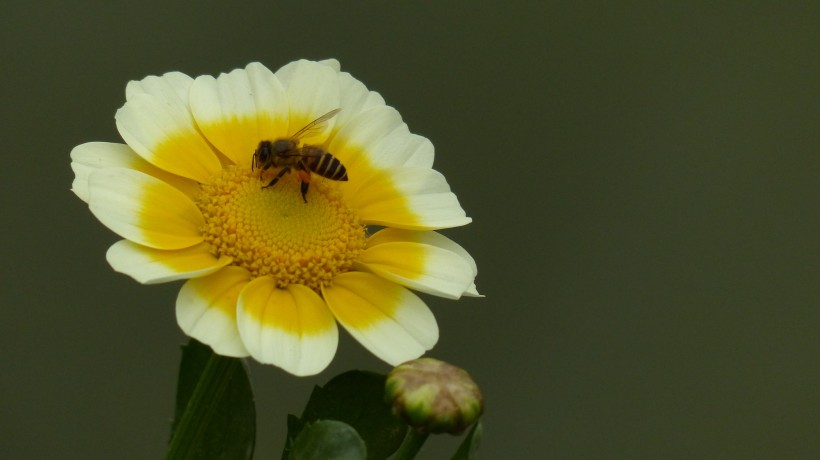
356	398
215	416
328	440
468	448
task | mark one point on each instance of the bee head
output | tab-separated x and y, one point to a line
262	155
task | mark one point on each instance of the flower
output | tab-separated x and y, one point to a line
270	272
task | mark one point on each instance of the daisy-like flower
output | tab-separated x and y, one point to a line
270	272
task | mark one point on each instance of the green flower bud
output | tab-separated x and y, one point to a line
433	396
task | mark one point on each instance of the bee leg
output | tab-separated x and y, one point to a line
278	176
304	176
304	188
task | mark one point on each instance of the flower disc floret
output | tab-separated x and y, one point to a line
273	232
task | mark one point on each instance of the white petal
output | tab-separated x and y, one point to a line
409	198
424	261
446	243
291	328
239	109
355	98
151	266
332	63
396	146
387	319
472	291
171	86
403	148
312	89
86	158
377	138
354	142
157	123
143	209
206	310
432	238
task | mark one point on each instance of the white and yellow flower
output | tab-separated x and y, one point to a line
268	274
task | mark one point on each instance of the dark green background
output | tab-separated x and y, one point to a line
643	179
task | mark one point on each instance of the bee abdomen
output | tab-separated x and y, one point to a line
329	167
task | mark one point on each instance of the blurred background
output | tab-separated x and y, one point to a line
643	179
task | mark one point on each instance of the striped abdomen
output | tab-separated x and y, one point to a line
324	164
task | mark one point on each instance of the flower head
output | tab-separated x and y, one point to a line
275	247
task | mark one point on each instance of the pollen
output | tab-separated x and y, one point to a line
272	232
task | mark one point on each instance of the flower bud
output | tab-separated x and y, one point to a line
433	396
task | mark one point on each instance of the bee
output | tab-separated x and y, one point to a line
288	154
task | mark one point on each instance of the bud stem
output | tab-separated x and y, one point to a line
411	445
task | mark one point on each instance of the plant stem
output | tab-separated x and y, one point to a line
213	381
411	445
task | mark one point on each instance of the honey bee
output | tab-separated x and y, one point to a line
288	154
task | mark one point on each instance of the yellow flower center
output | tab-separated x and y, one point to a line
271	231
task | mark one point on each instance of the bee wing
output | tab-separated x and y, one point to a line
316	125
